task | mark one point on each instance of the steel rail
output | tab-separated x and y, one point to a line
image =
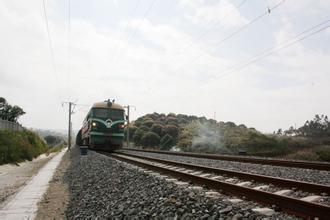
274	162
306	186
288	204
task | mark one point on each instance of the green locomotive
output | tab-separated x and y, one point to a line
103	127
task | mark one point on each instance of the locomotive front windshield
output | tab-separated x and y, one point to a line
105	113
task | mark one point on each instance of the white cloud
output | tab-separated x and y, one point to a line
153	70
223	13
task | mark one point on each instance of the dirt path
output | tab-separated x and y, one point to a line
54	201
13	177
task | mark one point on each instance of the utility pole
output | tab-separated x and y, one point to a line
70	123
69	129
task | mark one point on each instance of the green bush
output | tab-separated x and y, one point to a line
138	134
148	123
157	128
324	154
172	130
17	146
166	142
150	139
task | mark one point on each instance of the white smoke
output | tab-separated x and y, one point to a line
208	139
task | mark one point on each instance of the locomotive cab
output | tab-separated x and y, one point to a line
104	126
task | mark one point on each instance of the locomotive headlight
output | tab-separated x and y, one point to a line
121	126
94	124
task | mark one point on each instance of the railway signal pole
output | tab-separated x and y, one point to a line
128	126
128	121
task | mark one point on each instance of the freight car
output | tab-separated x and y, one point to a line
103	127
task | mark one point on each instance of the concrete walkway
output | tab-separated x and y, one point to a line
24	203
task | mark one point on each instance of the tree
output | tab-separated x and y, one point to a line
132	130
318	127
157	128
172	130
290	132
279	131
2	102
171	120
148	123
166	142
138	134
53	140
150	139
8	112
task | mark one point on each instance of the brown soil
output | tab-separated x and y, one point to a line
55	200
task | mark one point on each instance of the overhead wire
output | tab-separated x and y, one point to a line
249	23
144	15
306	34
51	49
69	49
123	32
203	34
231	35
147	11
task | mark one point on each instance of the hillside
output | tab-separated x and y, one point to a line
199	134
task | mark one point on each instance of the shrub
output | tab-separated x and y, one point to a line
166	142
53	140
172	130
150	139
157	128
132	130
148	123
139	133
324	154
20	145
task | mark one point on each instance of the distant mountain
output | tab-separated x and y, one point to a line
54	132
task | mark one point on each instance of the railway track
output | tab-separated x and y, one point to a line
242	185
275	162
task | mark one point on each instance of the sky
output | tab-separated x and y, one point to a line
233	60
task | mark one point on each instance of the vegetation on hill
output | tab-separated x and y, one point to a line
53	140
17	146
198	134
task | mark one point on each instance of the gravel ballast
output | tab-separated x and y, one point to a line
300	174
103	187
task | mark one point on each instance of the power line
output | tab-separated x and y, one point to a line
144	15
50	45
203	34
238	30
284	45
248	24
69	47
123	32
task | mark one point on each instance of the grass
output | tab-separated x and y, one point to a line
18	146
56	148
319	153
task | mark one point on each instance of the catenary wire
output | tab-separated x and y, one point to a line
123	32
51	49
69	49
133	33
203	34
267	53
254	20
